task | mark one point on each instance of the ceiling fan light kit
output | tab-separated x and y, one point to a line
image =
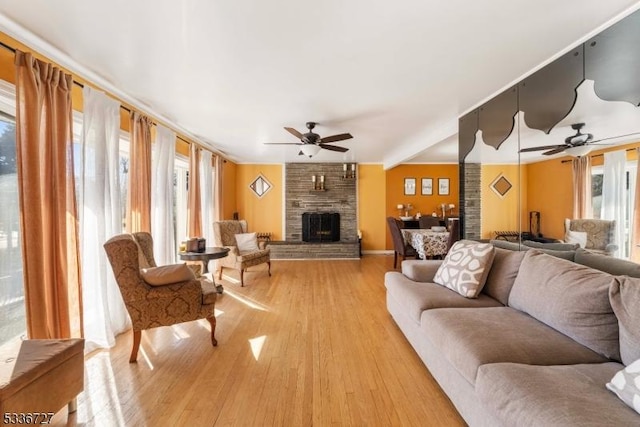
578	151
310	150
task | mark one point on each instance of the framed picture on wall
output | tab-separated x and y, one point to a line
443	186
426	187
409	186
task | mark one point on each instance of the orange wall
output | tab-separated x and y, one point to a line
423	204
262	214
501	213
550	192
371	206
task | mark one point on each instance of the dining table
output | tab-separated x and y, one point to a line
426	242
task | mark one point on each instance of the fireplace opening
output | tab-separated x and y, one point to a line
320	227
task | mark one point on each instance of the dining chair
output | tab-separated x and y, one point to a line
454	232
399	246
429	221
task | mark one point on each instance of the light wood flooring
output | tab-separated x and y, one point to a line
311	346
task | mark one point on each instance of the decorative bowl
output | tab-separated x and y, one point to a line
406	218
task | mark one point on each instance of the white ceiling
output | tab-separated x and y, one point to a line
396	75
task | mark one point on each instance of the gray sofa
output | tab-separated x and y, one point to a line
536	347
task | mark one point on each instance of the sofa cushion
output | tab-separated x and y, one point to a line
419	296
615	266
552	246
573	395
515	246
624	295
470	338
167	274
504	270
570	298
465	268
505	244
626	385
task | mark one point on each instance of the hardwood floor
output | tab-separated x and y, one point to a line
312	345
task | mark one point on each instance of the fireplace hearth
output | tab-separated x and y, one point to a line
320	227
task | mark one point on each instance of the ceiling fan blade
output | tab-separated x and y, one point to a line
614	137
336	138
294	132
334	148
543	147
560	149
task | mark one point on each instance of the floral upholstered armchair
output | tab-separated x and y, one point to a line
596	234
157	296
245	251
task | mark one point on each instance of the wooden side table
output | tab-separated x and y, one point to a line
204	257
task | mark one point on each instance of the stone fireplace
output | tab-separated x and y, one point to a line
336	197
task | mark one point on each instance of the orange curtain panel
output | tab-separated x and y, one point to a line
139	186
48	212
582	188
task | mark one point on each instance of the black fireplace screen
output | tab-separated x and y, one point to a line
320	227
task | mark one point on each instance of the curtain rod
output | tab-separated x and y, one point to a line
600	155
77	83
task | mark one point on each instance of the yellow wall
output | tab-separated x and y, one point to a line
371	206
262	214
423	204
501	213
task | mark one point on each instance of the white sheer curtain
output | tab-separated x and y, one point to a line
105	315
162	224
614	183
206	196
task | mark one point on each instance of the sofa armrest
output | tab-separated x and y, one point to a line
421	270
233	250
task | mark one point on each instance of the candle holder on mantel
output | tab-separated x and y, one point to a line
348	171
318	183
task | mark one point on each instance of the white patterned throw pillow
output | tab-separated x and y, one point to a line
626	385
465	268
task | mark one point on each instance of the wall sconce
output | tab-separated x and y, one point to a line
348	171
318	183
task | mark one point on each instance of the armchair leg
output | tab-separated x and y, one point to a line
212	321
220	274
242	277
136	345
269	270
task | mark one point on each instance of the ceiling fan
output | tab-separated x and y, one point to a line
575	145
311	143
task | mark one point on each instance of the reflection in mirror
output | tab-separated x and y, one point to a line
499	188
612	160
260	186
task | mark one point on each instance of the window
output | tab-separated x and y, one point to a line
597	174
12	308
180	185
